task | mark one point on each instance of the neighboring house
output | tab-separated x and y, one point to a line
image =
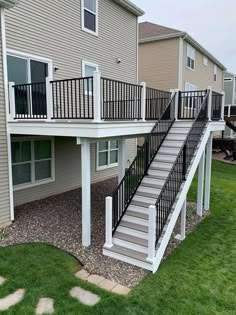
169	58
230	103
71	108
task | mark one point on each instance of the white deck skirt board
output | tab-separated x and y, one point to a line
131	237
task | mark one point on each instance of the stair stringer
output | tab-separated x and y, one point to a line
181	197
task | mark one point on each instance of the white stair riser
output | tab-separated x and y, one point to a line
135	220
132	232
126	244
153	181
128	260
163	174
172	151
161	165
149	190
147	200
177	131
176	137
137	209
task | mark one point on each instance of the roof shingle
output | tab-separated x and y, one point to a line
148	30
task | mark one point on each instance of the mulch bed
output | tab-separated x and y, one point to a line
57	221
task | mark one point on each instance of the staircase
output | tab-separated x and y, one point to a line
143	210
131	237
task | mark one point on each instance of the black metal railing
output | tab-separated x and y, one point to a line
179	170
73	98
230	110
30	101
120	100
216	105
156	101
189	103
126	189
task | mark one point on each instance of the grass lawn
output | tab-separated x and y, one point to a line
198	278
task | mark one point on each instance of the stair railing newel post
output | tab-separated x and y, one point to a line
209	103
12	101
49	98
223	106
109	228
97	95
152	213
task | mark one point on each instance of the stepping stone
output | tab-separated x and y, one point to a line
11	299
107	284
2	280
120	289
85	297
95	279
82	274
45	306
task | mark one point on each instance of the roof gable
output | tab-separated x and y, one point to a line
148	30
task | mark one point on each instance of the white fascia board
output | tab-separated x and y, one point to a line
91	130
162	37
131	7
7	4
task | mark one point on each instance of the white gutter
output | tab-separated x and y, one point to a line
131	7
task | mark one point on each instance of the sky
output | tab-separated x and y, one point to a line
211	22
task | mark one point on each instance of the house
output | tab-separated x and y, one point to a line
71	110
230	104
169	58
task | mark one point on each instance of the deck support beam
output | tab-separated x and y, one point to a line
86	192
201	169
208	173
182	234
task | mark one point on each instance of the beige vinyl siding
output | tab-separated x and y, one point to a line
202	76
52	29
4	179
158	64
68	170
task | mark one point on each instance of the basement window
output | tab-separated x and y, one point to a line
107	154
90	16
32	162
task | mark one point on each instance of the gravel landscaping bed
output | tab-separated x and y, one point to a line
57	220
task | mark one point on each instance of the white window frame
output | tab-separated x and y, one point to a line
192	49
100	168
215	70
34	182
82	19
205	61
84	64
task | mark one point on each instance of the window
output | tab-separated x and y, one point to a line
228	79
89	16
87	71
107	154
190	57
205	61
190	102
215	73
32	162
189	87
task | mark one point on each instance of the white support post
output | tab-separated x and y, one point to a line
223	106
121	159
143	100
49	98
229	110
151	233
177	104
86	193
97	95
208	174
12	102
108	243
201	169
182	234
209	105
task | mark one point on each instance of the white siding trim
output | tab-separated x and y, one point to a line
4	56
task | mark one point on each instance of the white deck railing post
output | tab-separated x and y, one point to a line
229	110
12	103
151	233
97	95
49	98
209	105
108	243
223	106
143	100
177	103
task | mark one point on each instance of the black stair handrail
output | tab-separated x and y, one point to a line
179	169
128	186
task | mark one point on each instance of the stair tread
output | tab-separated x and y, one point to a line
137	214
155	186
144	194
134	226
129	253
130	238
140	203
